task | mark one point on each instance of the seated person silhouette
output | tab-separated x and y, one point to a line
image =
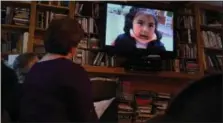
201	101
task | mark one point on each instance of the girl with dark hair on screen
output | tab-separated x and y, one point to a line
140	31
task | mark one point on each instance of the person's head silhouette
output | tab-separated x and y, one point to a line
199	102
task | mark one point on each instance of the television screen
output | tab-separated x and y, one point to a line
141	28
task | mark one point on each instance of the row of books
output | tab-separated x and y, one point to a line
88	24
187	51
187	48
80	9
14	42
54	3
86	57
213	63
125	100
44	18
17	16
125	111
185	11
142	106
150	104
186	22
186	66
186	36
212	39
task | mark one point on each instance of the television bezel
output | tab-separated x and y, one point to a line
103	21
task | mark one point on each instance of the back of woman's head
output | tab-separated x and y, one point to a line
199	102
62	35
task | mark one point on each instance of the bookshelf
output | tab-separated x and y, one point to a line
17	27
51	7
17	4
169	81
210	36
119	71
188	55
32	7
36	6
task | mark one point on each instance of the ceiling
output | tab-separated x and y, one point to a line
214	3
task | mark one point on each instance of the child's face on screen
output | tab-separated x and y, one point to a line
144	26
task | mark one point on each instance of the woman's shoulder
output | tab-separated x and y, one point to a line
59	64
69	65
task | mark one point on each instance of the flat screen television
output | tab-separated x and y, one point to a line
131	29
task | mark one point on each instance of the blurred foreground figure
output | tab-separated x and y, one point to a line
201	101
9	94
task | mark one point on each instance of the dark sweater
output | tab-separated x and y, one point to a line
200	101
57	91
124	43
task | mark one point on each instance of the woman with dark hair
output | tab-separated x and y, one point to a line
56	89
201	101
140	31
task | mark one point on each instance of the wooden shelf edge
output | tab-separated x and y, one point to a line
210	48
17	3
44	30
14	26
40	29
209	7
52	7
185	14
211	28
121	72
8	53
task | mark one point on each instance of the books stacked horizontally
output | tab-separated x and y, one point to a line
161	103
17	16
125	111
144	105
125	100
21	16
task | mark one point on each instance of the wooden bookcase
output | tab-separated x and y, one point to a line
165	81
212	49
34	7
147	80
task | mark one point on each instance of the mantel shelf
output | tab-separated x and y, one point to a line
14	27
121	72
25	4
52	8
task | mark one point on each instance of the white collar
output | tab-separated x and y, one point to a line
50	56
